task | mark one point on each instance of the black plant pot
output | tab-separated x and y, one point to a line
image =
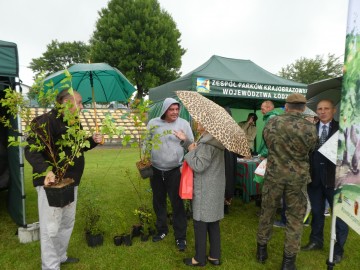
127	240
118	240
144	237
136	230
94	240
60	196
145	171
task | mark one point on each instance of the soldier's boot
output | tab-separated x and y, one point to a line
261	253
288	262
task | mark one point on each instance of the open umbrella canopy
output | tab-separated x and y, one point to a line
216	121
109	83
309	112
325	89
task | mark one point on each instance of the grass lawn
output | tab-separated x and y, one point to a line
108	176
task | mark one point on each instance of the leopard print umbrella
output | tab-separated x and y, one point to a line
216	121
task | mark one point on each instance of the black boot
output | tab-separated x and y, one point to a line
288	262
261	254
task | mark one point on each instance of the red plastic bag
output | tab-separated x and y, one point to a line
186	182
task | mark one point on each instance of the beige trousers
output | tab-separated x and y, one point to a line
56	225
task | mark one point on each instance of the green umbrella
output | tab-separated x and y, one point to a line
107	83
97	82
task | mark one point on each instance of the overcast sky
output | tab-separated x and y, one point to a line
271	33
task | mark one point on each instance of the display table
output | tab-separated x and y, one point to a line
244	177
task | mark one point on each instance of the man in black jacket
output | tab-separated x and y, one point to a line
56	223
323	184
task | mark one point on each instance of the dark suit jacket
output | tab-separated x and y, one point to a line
324	177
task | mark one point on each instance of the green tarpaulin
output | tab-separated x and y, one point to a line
11	174
234	83
9	63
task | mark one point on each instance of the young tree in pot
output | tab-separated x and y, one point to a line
146	142
145	220
126	236
56	143
62	152
59	153
143	212
91	212
123	235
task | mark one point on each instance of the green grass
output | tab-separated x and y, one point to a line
105	174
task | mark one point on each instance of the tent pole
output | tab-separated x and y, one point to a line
21	165
330	262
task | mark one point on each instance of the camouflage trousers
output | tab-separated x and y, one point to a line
295	198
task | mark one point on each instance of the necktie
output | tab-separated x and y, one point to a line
323	135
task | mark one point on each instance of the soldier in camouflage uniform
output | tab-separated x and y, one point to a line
289	138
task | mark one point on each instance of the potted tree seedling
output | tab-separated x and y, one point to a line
125	238
119	237
91	213
145	220
147	141
68	147
144	214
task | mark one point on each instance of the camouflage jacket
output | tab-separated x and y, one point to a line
289	138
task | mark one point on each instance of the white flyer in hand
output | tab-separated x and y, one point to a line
330	147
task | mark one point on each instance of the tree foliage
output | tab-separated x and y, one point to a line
59	56
141	40
36	91
307	70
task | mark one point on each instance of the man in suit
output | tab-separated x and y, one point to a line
323	184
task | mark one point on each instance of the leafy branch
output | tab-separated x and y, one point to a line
68	147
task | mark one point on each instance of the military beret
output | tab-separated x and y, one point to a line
296	98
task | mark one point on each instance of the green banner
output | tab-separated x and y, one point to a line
346	202
214	87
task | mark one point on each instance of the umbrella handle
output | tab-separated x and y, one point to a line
95	112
